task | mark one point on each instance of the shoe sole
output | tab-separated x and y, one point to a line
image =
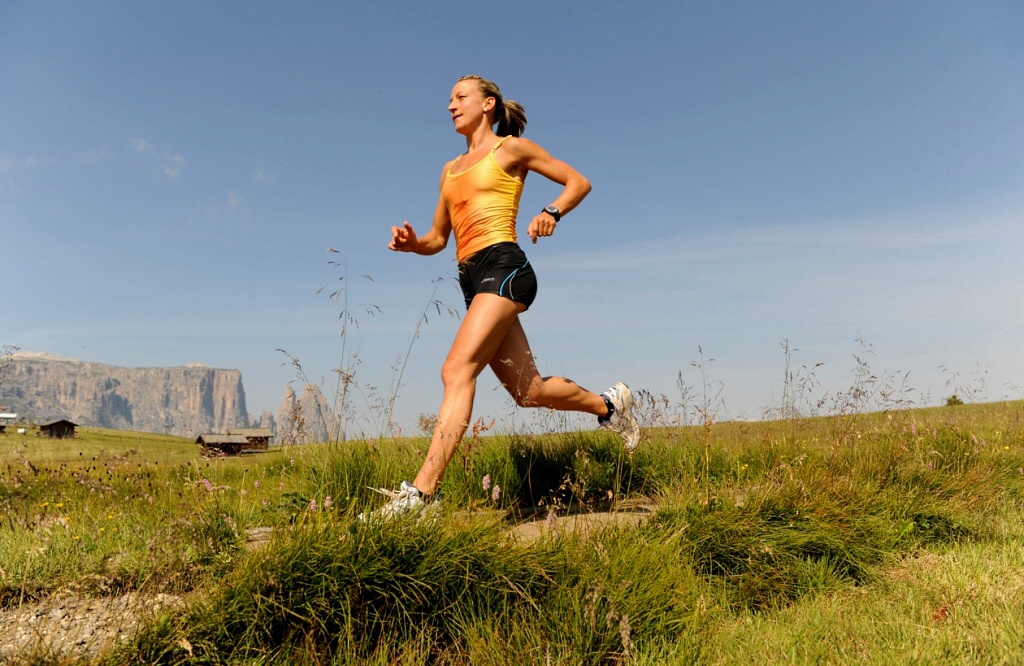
631	433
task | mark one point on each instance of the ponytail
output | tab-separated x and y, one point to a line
510	116
512	120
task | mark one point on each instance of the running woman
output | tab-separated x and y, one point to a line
479	202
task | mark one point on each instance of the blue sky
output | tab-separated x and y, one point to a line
172	174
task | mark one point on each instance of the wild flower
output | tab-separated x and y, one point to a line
327	501
312	505
206	484
495	493
256	485
486	483
264	503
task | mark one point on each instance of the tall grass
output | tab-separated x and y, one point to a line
788	526
788	522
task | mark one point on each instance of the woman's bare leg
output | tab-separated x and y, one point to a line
477	341
516	369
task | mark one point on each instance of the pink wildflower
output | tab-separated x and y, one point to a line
327	501
496	493
312	505
486	483
256	485
206	484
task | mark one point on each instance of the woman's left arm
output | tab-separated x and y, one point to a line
528	155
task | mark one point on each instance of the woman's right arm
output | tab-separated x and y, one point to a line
404	239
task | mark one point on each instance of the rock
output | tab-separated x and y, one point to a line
183	401
266	421
305	419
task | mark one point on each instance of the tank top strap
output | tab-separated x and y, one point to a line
498	145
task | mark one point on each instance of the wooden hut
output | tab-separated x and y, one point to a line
213	444
58	429
6	419
257	439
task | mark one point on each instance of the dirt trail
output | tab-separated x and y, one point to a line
67	624
542	526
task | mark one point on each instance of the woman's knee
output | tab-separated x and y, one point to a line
530	394
454	373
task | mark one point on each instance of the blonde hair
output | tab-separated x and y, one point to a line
509	115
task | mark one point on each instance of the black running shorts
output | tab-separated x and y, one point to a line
501	269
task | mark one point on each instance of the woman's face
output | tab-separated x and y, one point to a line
468	106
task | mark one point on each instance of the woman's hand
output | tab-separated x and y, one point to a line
541	225
403	238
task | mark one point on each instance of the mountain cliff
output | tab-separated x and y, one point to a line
305	419
184	401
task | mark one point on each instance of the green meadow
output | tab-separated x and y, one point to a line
885	537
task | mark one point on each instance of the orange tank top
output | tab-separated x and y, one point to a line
482	202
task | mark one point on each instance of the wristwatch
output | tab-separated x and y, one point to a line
553	212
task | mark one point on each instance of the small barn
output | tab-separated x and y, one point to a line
230	445
58	429
258	439
6	419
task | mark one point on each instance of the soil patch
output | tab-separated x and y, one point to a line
69	625
552	524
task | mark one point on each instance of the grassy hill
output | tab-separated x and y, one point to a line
862	538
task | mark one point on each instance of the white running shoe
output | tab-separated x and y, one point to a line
405	501
622	420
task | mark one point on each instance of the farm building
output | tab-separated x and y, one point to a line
213	444
258	438
7	419
58	429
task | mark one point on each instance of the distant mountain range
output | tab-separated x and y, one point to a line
185	401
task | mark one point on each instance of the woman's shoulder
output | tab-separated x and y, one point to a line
520	148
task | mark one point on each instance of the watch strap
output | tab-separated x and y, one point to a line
553	212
